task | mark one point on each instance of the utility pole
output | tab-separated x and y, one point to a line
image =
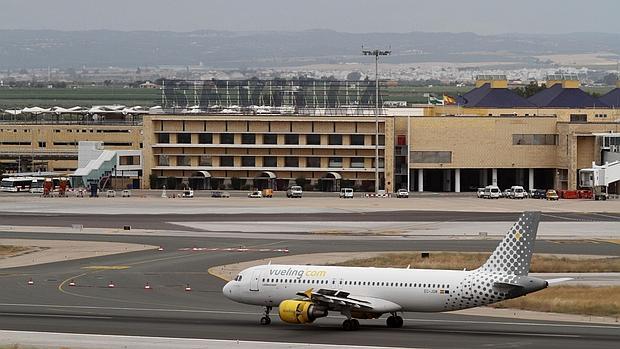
376	53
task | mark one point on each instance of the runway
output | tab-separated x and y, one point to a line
169	311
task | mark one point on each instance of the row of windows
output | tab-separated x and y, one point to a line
268	138
268	161
534	139
358	283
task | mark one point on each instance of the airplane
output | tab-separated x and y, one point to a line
304	293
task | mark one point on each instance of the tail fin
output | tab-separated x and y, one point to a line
514	254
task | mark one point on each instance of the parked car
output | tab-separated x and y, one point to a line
552	195
517	192
507	193
346	193
255	194
402	193
294	192
492	192
480	192
538	193
126	193
220	194
188	194
110	193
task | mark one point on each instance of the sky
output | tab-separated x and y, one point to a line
354	16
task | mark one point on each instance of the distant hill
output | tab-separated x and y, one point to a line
218	49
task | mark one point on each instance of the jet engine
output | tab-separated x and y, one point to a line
300	312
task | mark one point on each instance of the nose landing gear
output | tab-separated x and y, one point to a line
266	320
394	321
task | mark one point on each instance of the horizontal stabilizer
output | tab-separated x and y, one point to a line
558	280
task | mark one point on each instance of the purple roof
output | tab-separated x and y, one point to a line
557	96
487	97
612	98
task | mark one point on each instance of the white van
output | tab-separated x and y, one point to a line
492	192
346	193
517	192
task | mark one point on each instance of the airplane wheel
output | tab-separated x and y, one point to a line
265	320
355	325
349	325
390	322
398	322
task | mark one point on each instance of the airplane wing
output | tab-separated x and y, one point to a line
342	300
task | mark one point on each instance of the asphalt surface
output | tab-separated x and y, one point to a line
160	221
169	311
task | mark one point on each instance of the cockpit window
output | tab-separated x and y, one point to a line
237	278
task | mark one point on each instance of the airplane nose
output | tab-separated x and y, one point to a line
227	290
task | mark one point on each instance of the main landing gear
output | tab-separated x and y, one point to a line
350	325
394	321
266	320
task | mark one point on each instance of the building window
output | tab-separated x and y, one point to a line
291	139
163	138
205	138
270	139
313	139
227	138
335	139
248	138
228	161
248	161
534	139
129	160
381	140
291	161
579	118
184	138
313	162
205	160
357	162
431	156
163	160
270	161
335	162
381	163
357	139
183	160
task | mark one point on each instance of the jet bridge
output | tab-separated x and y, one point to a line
598	178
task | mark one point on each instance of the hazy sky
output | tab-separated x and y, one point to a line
480	16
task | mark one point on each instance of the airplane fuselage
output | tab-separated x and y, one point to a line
419	290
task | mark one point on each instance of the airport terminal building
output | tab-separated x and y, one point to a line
490	136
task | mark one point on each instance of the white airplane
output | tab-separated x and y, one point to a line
304	293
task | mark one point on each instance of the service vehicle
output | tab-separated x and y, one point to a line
517	192
346	193
402	193
255	194
552	195
294	192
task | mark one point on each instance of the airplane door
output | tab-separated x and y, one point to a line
255	279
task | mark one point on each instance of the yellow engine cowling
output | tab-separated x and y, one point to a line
299	312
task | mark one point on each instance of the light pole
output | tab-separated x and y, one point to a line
376	53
